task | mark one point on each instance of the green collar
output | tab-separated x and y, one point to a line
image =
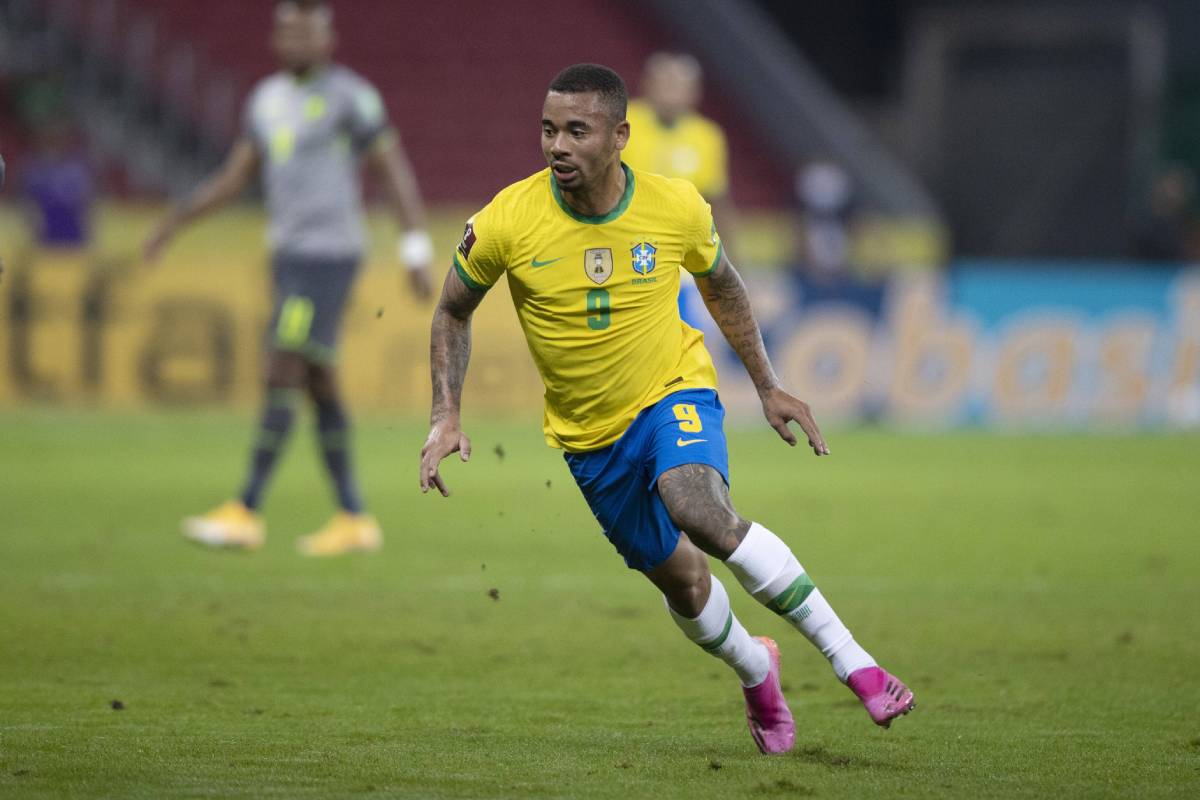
601	218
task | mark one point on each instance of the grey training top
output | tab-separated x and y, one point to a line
310	134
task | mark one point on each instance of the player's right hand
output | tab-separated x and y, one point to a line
444	438
780	408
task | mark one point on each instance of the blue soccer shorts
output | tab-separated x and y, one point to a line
620	481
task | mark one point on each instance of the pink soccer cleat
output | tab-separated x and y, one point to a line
767	711
884	695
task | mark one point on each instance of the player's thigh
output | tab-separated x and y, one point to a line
310	296
698	501
632	516
689	462
286	369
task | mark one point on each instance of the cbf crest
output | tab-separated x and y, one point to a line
643	257
598	264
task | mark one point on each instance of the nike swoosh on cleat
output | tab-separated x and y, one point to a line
682	442
535	263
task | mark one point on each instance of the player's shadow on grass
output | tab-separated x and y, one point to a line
816	754
807	754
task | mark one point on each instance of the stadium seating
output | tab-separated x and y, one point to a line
462	79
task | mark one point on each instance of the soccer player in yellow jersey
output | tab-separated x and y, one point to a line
591	250
670	137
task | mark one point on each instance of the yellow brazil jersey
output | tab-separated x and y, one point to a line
596	296
693	149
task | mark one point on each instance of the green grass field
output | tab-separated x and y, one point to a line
1040	594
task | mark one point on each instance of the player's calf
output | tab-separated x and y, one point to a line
767	569
699	605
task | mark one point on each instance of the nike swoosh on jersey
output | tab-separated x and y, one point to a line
535	263
682	442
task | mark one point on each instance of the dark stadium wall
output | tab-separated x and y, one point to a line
464	80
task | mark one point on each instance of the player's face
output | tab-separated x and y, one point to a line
301	39
580	140
673	89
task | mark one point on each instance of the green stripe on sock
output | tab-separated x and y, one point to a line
790	598
715	644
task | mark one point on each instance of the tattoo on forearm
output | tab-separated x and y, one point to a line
725	296
450	346
449	353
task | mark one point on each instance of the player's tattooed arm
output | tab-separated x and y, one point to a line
449	354
450	345
726	298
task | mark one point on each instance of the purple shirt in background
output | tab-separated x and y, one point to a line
61	189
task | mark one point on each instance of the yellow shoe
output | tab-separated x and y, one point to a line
228	525
345	533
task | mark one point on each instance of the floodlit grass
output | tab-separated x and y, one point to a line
1040	595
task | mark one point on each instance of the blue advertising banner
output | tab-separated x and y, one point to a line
1028	345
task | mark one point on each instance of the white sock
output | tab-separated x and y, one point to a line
718	631
766	568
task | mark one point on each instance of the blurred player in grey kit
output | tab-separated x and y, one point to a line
305	130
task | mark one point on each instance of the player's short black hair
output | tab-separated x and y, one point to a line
581	78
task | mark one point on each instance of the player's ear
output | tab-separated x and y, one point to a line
622	134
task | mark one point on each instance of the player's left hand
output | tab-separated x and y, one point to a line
444	438
780	408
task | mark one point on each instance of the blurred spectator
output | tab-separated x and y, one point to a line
826	198
57	183
668	136
1164	231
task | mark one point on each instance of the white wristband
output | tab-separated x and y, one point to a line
416	249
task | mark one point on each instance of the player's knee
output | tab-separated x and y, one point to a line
286	371
720	537
684	579
715	529
322	387
690	595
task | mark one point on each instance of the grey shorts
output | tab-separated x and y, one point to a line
310	293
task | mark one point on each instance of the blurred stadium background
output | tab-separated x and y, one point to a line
956	218
1011	207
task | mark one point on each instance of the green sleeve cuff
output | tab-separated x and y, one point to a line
467	279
